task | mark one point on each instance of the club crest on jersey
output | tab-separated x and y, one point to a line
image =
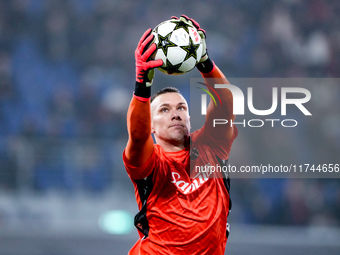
194	153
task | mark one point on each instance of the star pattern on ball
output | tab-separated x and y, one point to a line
190	49
164	43
172	68
181	24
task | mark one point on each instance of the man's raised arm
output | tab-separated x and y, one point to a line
224	108
213	75
140	144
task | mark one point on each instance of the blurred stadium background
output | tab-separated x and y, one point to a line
66	78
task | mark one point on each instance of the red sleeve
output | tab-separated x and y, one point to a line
140	144
220	111
156	163
140	172
218	147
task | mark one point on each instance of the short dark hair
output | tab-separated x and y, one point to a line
165	90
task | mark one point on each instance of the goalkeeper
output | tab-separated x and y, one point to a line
179	213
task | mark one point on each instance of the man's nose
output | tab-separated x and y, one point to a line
176	116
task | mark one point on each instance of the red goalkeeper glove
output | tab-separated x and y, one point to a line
144	66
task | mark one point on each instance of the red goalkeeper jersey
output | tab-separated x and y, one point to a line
187	213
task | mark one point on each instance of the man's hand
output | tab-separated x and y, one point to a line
200	31
144	66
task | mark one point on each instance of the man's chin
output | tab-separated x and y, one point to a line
179	135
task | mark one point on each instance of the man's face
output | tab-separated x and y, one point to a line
170	119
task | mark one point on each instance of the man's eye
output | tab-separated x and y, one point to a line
181	108
164	109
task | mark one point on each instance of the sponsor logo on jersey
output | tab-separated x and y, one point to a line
186	187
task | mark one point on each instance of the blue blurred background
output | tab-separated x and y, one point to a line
66	79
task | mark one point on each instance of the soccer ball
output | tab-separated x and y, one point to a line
178	45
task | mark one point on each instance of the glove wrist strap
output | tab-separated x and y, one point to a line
141	90
206	66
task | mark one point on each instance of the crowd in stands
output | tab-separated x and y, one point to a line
67	76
